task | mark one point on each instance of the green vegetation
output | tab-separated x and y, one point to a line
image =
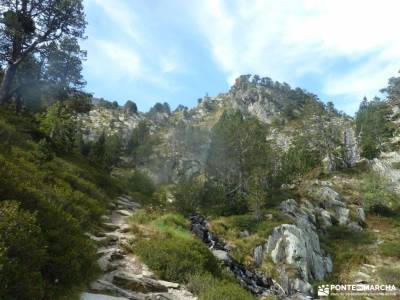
244	232
176	258
389	274
378	196
208	287
42	59
56	199
178	254
390	248
22	253
238	157
347	249
140	183
141	143
373	126
182	257
298	160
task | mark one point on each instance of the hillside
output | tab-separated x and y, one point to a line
279	174
263	191
294	193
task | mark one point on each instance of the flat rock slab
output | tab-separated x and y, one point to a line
221	255
138	283
169	285
90	296
124	212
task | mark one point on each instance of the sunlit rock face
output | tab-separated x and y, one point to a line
110	121
298	244
295	248
351	150
276	104
256	102
384	167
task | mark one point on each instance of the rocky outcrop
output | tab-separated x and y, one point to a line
255	102
124	275
350	144
322	192
297	246
384	167
109	120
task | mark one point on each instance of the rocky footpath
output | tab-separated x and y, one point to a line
123	275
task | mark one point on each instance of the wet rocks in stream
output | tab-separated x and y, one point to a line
254	281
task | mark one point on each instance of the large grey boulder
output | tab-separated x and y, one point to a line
325	218
289	244
353	226
342	215
360	215
326	195
221	255
297	246
258	255
301	215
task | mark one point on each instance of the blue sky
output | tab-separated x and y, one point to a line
176	51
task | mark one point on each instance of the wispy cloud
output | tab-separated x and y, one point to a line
289	39
339	49
131	50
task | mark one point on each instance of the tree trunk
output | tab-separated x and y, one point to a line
6	83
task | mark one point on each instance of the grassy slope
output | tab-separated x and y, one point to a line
378	245
179	256
67	194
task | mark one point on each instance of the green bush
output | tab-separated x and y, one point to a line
245	222
176	258
390	248
173	225
208	287
187	196
376	192
140	183
390	275
373	126
346	247
59	200
70	254
396	165
141	217
343	233
22	254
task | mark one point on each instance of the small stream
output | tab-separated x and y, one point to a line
256	282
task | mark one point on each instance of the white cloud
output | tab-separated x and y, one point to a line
123	58
170	62
350	46
133	50
121	14
286	39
